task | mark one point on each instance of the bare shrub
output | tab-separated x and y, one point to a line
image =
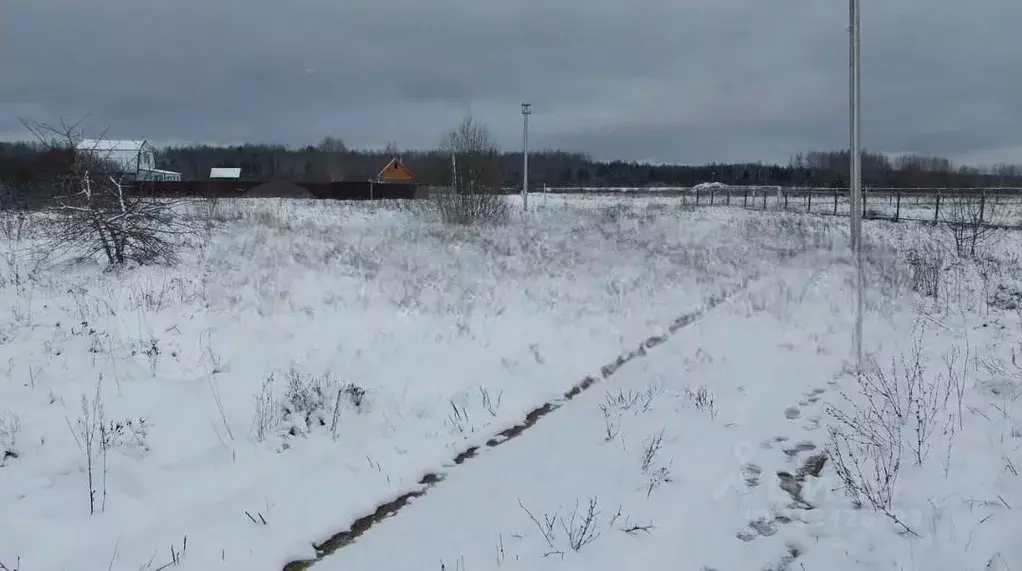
489	404
874	214
308	402
656	474
702	399
579	529
1006	375
305	399
896	414
128	433
612	426
614	214
474	195
650	448
967	222
10	426
103	218
150	297
458	418
266	414
213	209
91	435
15	225
172	559
1005	297
95	211
626	401
788	234
152	352
926	271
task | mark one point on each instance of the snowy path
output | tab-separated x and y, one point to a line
680	451
431	479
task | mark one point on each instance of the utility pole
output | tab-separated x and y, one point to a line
526	111
855	161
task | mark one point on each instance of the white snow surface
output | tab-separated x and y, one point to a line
247	359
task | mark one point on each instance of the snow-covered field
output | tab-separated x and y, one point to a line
310	361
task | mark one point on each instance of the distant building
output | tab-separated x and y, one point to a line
131	160
395	171
225	173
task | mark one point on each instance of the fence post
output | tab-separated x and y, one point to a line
728	199
936	210
836	195
684	198
745	200
863	202
897	207
785	191
711	196
764	198
982	204
809	201
697	197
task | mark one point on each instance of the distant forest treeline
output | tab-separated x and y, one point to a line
332	160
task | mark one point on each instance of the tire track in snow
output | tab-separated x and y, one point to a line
432	479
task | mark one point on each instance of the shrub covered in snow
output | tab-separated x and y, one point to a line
10	425
305	404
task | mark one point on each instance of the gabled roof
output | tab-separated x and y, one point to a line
100	145
127	155
395	170
224	172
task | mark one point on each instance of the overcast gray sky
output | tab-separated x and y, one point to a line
685	81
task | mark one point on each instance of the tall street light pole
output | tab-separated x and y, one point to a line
855	161
526	111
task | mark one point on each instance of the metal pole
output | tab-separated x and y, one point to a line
853	142
526	111
855	176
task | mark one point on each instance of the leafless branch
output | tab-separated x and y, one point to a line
97	212
474	195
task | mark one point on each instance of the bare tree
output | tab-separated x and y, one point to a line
332	145
474	194
96	210
968	224
327	162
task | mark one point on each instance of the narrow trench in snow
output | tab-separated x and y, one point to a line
428	481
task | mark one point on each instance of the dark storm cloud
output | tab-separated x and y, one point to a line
686	81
